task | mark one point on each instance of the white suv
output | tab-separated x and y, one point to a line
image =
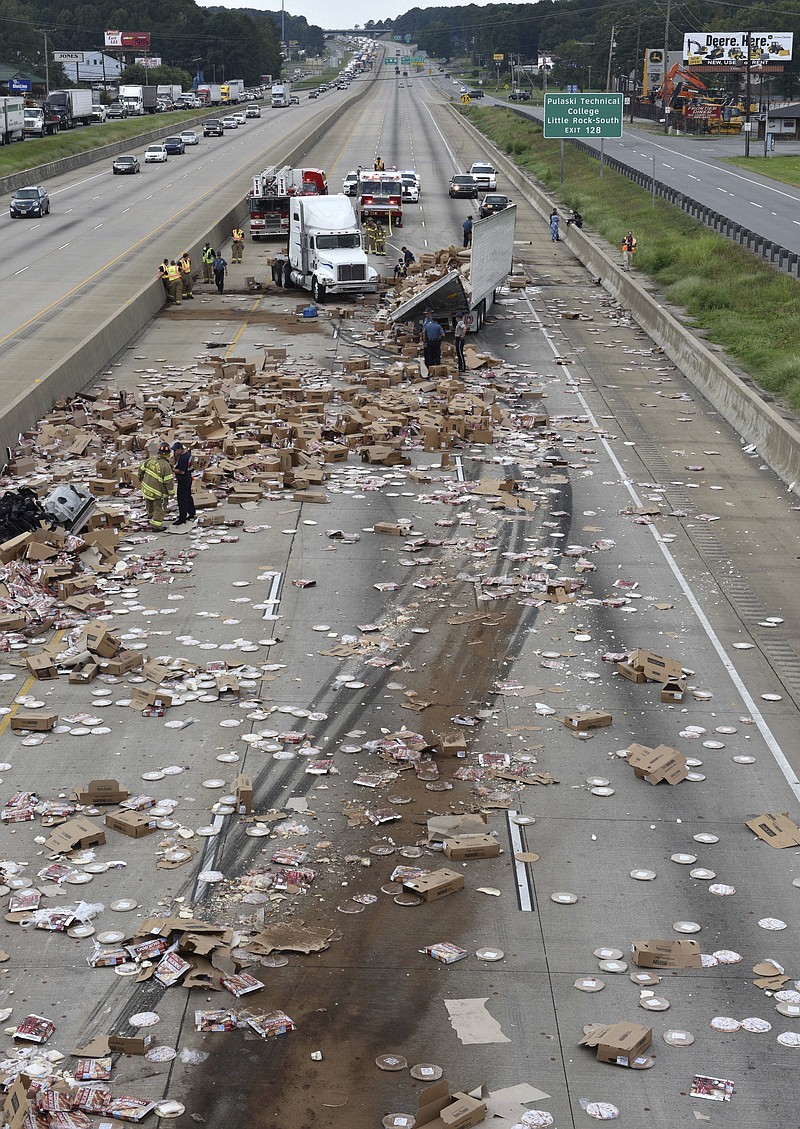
485	176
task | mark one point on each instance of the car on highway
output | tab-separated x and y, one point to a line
485	175
154	154
230	123
294	100
350	184
313	94
117	110
164	106
99	112
30	201
174	145
463	185
213	127
253	111
189	137
126	163
411	185
240	116
476	94
519	96
491	203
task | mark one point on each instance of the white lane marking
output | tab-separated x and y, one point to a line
459	468
738	176
63	245
273	598
456	164
755	205
68	210
769	738
691	176
97	227
520	873
20	270
77	184
207	859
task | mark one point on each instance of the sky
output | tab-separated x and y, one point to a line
349	13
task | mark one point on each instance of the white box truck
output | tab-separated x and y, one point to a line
232	91
71	107
470	291
12	120
325	254
279	95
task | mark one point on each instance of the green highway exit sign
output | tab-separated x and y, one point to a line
390	62
583	115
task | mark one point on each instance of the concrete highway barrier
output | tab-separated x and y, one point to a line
776	439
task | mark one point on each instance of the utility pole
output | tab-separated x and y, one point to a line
46	65
747	95
665	106
636	63
611	47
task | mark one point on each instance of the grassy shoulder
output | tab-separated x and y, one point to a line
786	169
741	304
41	150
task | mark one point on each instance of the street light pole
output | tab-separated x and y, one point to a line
747	95
611	47
664	96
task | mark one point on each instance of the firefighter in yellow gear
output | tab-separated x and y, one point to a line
237	245
158	485
380	240
163	274
185	266
208	259
175	283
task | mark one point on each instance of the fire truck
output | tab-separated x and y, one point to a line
380	196
270	195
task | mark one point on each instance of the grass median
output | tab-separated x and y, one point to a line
82	139
741	304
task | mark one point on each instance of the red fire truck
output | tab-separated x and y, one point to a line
380	196
270	195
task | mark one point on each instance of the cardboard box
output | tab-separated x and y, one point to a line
666	954
100	792
673	690
632	673
243	789
99	640
655	668
82	675
777	829
437	1109
589	719
135	824
76	834
451	744
444	827
142	697
130	1044
618	1043
655	765
41	667
36	720
391	528
464	847
123	662
14	621
438	884
16	1103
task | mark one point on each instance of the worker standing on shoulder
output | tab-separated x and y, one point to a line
183	476
628	250
467	226
163	274
237	245
460	337
157	482
175	282
208	259
185	265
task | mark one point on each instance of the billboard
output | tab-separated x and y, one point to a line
128	40
730	48
150	61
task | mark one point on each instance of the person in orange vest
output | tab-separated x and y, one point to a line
175	283
185	266
237	246
628	250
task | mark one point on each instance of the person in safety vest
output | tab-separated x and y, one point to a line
163	274
175	282
628	248
208	259
158	484
185	265
237	244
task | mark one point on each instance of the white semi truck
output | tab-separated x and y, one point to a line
471	290
279	95
325	253
12	120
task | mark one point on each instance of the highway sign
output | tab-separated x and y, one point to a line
390	61
583	115
465	98
498	58
405	59
418	60
68	56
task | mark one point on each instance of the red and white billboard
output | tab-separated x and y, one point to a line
128	40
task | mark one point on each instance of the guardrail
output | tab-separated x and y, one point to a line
773	253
